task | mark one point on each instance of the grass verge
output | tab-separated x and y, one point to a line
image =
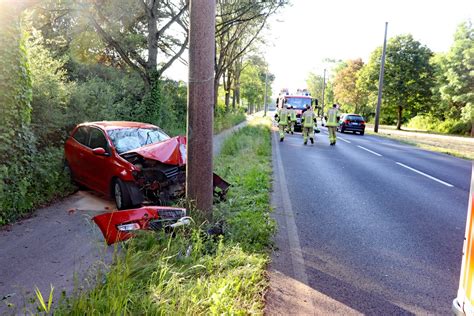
191	273
227	120
452	145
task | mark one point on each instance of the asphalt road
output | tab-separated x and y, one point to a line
369	226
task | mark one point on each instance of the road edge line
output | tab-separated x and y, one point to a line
297	259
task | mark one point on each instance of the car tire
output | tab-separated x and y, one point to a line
121	195
362	133
342	130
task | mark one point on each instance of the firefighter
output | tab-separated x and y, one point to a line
307	120
292	118
332	120
282	118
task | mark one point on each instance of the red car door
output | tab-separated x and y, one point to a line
100	166
76	149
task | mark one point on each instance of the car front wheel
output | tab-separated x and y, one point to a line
121	195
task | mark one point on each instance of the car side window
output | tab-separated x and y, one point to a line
97	139
81	135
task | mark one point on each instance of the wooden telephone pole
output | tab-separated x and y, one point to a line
200	105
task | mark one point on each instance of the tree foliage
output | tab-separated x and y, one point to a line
346	91
16	139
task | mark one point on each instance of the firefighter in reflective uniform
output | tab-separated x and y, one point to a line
332	120
282	117
308	119
292	121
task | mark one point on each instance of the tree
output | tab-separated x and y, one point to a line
238	27
16	139
314	84
148	39
346	91
408	79
455	74
253	89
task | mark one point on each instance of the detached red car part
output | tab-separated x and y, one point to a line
131	162
120	225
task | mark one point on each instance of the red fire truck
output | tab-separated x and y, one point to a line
298	100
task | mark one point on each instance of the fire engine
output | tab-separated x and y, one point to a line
298	100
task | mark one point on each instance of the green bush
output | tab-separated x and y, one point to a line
432	124
26	186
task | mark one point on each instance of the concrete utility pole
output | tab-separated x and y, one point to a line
265	97
382	67
324	86
200	105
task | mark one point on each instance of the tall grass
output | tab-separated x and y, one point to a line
192	273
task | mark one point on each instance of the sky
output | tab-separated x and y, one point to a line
306	33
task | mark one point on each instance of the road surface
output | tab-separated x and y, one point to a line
369	226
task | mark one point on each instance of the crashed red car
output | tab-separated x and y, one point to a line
130	161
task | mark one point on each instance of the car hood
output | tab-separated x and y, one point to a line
171	151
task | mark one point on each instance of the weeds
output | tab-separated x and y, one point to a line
44	306
193	273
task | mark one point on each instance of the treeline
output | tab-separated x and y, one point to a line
422	90
64	62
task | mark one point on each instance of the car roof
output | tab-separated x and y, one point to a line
110	125
353	114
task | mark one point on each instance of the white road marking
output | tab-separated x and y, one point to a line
424	174
370	151
296	254
343	139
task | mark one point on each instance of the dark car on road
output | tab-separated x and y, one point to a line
352	123
129	161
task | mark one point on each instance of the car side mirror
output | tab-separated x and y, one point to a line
99	151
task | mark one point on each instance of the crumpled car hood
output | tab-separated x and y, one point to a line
171	151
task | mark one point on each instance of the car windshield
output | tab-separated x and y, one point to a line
356	118
299	103
126	139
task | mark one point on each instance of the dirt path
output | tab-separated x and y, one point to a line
58	245
55	246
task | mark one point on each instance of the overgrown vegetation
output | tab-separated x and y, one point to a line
192	273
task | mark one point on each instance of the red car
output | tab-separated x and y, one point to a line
129	161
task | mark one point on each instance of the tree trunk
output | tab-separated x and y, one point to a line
151	39
399	117
227	86
233	99
216	92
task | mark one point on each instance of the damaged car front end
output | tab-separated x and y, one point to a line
159	170
121	225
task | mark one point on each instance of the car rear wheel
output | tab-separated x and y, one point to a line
121	195
362	133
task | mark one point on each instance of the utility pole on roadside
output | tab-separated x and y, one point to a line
382	67
199	188
265	97
324	86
